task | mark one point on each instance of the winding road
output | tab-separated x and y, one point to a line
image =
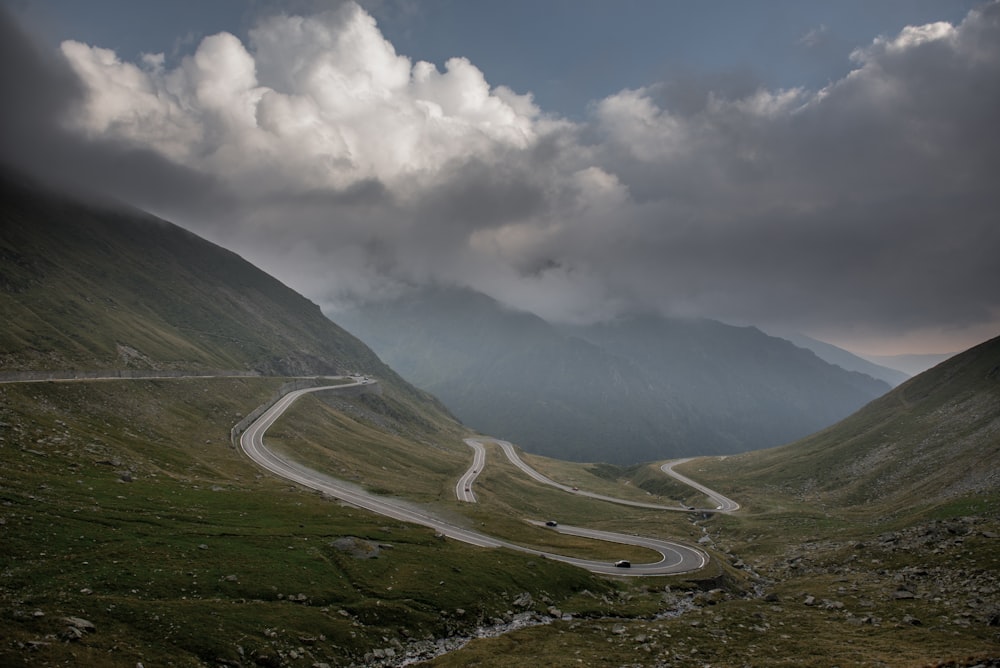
463	490
675	557
724	505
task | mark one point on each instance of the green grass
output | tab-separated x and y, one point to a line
202	556
842	519
202	540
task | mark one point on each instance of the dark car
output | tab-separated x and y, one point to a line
623	563
551	523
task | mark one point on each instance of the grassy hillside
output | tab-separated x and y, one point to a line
92	286
933	440
873	543
123	503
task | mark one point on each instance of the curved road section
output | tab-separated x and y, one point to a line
463	489
723	504
675	557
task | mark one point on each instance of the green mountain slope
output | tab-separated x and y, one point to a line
134	533
96	287
932	440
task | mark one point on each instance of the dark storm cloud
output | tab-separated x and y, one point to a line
472	194
40	92
873	201
37	89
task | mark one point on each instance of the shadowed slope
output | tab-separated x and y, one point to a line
88	286
934	438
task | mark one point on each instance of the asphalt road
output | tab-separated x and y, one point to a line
521	464
722	504
463	489
674	557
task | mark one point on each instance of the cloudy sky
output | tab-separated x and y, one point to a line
826	167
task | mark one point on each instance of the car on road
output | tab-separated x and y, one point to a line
623	563
551	523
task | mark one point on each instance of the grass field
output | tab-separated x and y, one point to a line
124	503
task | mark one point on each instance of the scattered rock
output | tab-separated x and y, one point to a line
80	623
76	628
357	547
524	600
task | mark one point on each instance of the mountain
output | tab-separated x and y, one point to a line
848	360
637	389
933	439
99	286
134	533
911	364
511	374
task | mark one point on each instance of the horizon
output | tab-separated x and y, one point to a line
795	166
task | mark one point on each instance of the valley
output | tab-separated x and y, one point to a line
135	529
678	387
183	535
674	557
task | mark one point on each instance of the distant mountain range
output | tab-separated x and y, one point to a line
933	439
910	364
848	360
636	389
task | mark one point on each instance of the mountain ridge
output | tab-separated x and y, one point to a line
81	291
847	360
934	438
136	533
551	388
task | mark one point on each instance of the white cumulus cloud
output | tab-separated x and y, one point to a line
320	101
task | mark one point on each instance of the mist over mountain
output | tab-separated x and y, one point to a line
101	286
631	390
847	360
929	441
910	364
144	471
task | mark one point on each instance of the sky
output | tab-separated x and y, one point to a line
826	168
